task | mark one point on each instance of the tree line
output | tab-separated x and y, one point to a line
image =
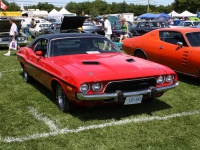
100	7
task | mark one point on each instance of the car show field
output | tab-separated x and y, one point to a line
30	119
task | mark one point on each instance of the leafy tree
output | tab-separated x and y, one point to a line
71	7
45	6
123	8
182	5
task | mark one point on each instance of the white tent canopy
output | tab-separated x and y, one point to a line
53	12
173	13
59	15
64	12
186	14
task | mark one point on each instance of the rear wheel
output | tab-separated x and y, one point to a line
62	101
140	54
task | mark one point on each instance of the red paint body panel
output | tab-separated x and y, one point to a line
70	71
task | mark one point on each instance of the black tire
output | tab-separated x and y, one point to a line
140	54
62	101
27	78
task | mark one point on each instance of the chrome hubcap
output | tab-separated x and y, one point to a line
25	75
60	97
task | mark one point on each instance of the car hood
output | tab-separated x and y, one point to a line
115	65
5	25
72	22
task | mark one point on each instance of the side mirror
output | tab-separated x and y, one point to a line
39	53
180	44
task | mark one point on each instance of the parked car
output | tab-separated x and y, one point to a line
37	30
52	29
72	27
89	70
5	33
177	48
147	26
51	20
186	24
87	26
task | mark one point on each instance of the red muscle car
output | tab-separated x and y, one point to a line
177	48
88	69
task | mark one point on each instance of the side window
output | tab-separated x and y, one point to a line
142	25
172	37
41	45
187	24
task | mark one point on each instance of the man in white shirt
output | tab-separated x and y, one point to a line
13	34
107	27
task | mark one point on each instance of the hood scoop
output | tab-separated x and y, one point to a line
91	63
130	60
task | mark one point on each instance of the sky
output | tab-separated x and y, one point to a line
61	3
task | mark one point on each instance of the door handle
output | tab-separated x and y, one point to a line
161	47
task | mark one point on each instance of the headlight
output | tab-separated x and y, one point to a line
160	80
96	87
19	38
169	78
84	88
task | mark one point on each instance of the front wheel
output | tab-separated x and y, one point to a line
62	101
140	54
26	76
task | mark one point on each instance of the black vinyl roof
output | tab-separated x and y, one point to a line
66	35
60	35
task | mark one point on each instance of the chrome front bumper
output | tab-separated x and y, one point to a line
152	91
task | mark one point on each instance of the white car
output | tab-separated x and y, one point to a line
37	30
186	24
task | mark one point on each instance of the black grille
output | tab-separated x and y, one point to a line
131	85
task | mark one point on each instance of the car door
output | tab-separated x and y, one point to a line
172	55
39	62
193	39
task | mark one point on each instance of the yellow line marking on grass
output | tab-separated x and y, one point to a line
55	131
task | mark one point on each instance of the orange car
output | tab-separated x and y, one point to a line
177	48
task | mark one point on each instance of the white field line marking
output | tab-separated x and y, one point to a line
43	118
98	126
14	70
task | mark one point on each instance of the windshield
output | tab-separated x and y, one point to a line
196	23
194	38
93	45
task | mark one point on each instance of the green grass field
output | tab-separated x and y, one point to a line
29	118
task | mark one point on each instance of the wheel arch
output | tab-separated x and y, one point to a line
139	49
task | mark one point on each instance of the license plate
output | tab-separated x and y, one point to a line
133	100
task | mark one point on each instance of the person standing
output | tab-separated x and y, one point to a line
13	34
107	27
124	29
33	23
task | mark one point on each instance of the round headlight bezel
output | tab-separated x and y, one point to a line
100	84
163	79
172	78
84	84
